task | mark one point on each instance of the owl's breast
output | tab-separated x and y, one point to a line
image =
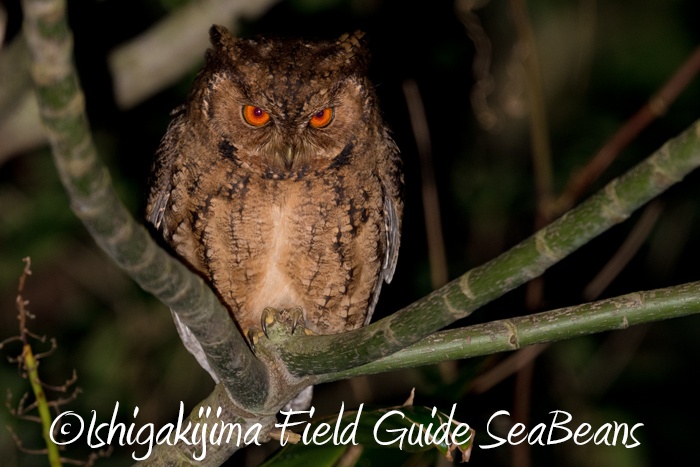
313	243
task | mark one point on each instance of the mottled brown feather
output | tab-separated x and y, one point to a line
321	231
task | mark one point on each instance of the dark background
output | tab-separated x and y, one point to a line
124	346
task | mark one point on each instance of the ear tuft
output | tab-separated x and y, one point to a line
353	50
353	43
221	38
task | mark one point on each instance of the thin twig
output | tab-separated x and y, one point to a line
18	444
21	410
65	400
506	368
8	340
539	129
654	108
522	395
431	203
64	387
484	82
53	348
544	188
625	253
610	360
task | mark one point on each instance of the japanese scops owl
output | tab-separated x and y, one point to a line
279	183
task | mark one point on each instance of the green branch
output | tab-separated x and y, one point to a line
182	454
93	200
550	326
527	260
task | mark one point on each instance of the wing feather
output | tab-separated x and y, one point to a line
391	176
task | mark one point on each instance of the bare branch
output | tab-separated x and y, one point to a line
170	48
93	200
550	326
525	261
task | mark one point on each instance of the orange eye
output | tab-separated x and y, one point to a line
322	118
255	115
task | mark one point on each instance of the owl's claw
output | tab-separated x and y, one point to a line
268	316
252	335
293	317
297	315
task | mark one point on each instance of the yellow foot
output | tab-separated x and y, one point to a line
268	316
293	317
296	314
253	334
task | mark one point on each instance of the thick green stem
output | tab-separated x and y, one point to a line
550	326
527	260
182	454
93	199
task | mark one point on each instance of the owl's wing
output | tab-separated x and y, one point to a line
392	227
161	174
156	208
391	175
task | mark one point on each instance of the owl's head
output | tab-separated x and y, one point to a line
281	106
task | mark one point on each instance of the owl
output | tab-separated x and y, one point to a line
278	182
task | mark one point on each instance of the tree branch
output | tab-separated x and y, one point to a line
170	48
93	200
525	261
550	326
654	108
19	113
182	454
140	67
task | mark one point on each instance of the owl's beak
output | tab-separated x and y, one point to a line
289	157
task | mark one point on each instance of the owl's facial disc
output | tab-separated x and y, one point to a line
279	127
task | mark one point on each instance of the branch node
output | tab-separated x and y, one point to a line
464	286
614	210
661	174
124	232
542	246
513	338
454	312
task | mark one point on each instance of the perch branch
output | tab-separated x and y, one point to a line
93	200
182	455
525	261
550	326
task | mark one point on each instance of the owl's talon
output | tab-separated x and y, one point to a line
297	315
253	335
268	316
